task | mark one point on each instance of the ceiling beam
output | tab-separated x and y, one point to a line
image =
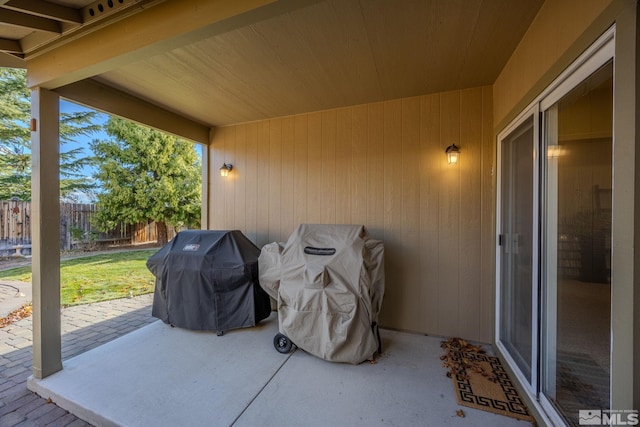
101	97
11	61
92	20
32	22
45	9
10	46
160	28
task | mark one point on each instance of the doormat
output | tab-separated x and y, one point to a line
480	381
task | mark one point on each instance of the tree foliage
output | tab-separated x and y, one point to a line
15	141
146	175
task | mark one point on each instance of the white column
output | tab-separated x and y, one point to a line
45	231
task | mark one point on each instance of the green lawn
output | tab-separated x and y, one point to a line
98	278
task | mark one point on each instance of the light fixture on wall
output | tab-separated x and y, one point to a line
225	169
555	151
453	154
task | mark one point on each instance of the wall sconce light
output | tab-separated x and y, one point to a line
225	169
453	154
555	151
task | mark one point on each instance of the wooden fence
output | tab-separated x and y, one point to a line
15	227
76	229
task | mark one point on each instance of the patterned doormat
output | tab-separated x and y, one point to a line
480	381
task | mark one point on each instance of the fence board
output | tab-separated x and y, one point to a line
15	227
76	227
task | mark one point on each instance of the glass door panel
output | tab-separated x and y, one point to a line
577	247
516	245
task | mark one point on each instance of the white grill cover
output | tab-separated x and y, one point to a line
328	281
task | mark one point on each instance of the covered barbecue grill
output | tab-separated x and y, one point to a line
328	281
208	280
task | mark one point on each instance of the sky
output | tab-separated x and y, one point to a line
83	141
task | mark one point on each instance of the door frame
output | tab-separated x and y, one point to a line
531	113
596	55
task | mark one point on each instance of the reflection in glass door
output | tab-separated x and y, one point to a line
577	247
516	245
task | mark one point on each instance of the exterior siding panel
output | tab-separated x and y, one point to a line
381	165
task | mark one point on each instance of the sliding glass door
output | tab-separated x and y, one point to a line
554	271
517	273
577	246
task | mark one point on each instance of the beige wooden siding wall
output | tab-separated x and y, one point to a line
534	63
382	165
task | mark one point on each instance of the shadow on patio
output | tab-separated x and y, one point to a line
163	376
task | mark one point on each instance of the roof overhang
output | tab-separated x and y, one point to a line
208	63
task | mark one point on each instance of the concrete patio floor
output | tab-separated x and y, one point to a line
163	376
84	327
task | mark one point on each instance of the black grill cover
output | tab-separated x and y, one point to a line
208	280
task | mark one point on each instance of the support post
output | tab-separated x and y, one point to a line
45	229
206	173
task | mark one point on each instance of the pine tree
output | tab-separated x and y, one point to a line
15	141
146	175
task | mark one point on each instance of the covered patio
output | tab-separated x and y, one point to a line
163	376
335	111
